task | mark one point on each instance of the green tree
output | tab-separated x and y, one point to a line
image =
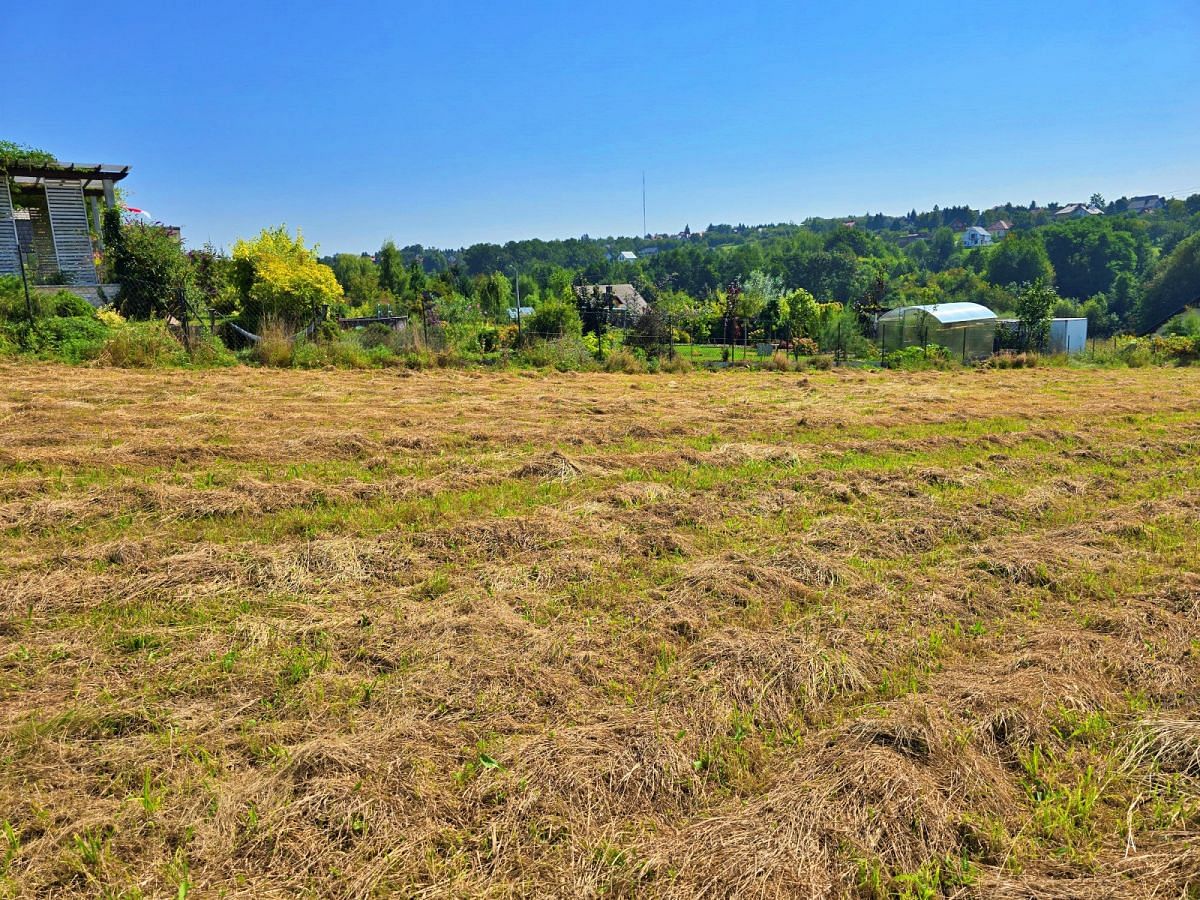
212	276
803	314
1175	285
651	334
1019	259
942	249
1035	305
276	275
762	295
554	318
393	276
358	276
1122	300
148	263
494	293
1087	255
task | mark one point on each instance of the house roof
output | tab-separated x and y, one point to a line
1072	208
946	313
1002	225
627	255
625	296
975	229
1140	203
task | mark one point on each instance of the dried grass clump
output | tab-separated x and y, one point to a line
742	453
338	445
327	565
1167	744
609	770
275	346
743	582
897	795
493	540
778	679
636	493
552	466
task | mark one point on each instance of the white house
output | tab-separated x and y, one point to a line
626	256
976	237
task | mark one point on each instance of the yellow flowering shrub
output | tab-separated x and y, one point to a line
278	276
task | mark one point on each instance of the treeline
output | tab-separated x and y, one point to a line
1104	267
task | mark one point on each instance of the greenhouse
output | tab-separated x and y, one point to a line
967	330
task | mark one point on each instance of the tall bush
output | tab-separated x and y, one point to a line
1035	307
554	318
276	275
148	263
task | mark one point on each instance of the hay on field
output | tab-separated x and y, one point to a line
853	641
775	678
552	466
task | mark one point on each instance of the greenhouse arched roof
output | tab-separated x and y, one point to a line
946	313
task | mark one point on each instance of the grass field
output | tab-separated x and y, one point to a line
270	634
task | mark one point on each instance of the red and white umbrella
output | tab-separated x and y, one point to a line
134	211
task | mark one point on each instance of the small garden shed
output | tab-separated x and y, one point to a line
967	330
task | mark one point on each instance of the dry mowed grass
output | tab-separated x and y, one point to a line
269	634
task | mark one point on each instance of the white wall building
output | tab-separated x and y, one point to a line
976	237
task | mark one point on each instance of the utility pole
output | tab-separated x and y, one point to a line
517	279
644	231
24	277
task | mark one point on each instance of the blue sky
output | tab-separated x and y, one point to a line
450	123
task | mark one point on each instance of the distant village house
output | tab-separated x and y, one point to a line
1077	211
623	302
999	230
1147	204
976	237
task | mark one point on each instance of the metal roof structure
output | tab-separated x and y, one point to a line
55	198
91	176
945	313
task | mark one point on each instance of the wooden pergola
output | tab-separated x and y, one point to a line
53	221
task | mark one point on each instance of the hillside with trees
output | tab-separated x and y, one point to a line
1099	265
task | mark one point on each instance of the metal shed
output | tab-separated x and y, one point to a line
1067	335
967	330
1063	336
